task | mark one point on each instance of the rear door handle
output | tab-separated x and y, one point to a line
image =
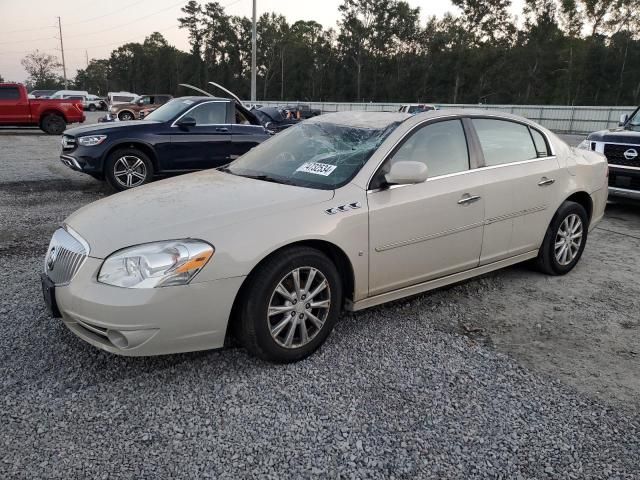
544	181
466	199
222	129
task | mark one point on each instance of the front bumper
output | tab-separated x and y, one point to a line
624	182
141	322
84	159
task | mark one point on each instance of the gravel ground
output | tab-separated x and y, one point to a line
513	375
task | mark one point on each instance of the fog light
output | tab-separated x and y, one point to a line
117	338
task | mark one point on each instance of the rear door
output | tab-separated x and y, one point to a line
13	108
521	189
207	144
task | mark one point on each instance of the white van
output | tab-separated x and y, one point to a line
69	93
115	98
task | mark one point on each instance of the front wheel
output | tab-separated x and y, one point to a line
290	305
565	240
128	168
92	107
125	116
53	124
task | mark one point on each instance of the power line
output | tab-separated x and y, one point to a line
107	14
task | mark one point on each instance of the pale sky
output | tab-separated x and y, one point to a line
98	27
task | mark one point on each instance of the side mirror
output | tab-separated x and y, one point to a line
623	120
406	173
186	122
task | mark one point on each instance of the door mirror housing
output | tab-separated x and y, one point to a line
406	173
186	122
623	120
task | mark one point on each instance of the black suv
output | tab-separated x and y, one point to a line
184	135
621	146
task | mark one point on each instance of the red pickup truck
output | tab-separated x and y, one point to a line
52	116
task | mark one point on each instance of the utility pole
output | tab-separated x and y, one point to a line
64	66
86	56
253	55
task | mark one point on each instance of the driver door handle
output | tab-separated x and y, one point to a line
467	199
544	181
222	129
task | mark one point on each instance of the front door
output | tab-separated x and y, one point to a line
205	145
13	109
432	229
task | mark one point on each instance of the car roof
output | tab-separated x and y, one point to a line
373	120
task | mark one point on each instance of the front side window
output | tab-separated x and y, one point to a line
318	155
211	113
634	122
170	110
504	142
9	93
441	146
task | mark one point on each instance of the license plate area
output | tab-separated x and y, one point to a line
49	295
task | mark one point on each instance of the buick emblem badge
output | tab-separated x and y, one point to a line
630	154
51	258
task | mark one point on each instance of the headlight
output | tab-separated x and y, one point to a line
159	264
585	145
91	140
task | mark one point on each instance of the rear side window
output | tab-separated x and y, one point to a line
9	93
120	98
541	144
504	142
212	113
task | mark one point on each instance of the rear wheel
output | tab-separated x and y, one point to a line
565	240
53	124
92	107
128	168
290	305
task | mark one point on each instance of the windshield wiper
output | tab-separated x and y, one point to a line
267	178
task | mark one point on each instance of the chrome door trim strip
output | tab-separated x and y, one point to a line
521	213
433	236
424	238
624	167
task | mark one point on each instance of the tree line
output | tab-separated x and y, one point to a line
568	52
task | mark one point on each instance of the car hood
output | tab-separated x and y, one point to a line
191	206
101	127
616	135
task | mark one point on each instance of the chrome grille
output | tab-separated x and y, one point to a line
67	251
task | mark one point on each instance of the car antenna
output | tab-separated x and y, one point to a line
226	91
186	85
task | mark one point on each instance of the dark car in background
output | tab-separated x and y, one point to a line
301	111
621	146
184	135
273	118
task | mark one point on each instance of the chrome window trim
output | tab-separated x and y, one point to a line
196	106
460	117
472	170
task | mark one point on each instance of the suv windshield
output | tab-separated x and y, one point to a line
169	110
316	155
634	121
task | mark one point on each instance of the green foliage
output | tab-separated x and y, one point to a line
562	52
43	71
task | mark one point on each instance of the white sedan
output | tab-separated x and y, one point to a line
341	212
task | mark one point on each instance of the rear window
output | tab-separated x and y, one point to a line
9	93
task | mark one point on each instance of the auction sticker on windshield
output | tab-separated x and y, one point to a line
316	168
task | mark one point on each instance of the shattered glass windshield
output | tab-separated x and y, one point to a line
316	155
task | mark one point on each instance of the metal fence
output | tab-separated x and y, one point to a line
562	119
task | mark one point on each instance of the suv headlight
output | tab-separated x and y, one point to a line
91	140
584	145
158	264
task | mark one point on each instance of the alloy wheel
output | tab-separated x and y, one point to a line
130	171
568	239
299	307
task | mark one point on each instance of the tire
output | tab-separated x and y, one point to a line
559	252
53	124
135	169
125	116
92	107
267	336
